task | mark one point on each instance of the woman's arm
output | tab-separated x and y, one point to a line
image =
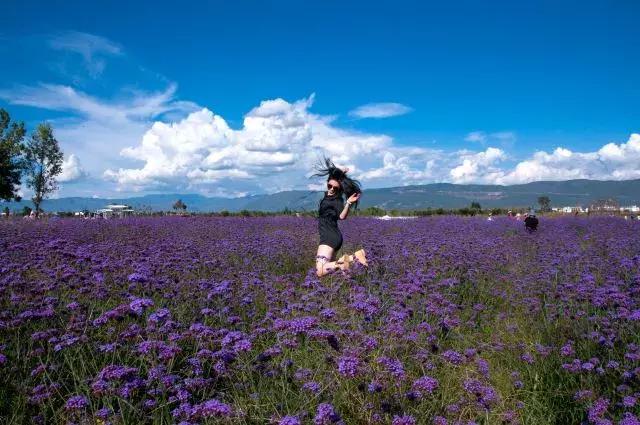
345	211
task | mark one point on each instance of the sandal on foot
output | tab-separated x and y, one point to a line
361	257
344	262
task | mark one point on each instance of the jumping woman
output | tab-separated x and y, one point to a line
333	208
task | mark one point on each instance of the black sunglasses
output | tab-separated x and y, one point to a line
330	186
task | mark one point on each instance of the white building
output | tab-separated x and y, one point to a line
570	210
631	208
115	210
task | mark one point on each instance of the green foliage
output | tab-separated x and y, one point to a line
179	205
372	211
65	214
26	210
43	163
11	161
545	203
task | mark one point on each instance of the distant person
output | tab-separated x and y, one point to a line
531	223
490	218
331	209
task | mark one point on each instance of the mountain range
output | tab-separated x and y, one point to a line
436	195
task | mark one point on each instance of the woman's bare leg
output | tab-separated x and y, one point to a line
325	262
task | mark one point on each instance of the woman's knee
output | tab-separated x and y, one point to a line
321	260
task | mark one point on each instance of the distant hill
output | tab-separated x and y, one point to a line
437	195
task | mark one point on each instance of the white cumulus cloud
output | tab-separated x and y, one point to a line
72	170
610	162
478	167
278	142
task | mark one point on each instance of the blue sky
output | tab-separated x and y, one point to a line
245	95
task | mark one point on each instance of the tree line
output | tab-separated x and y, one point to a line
37	160
180	208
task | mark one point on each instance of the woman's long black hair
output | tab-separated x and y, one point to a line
348	186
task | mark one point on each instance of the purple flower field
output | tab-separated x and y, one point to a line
223	320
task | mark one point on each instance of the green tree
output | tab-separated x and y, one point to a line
26	210
179	205
475	208
11	161
43	163
372	211
6	211
545	203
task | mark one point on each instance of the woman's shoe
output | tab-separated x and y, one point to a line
361	257
344	262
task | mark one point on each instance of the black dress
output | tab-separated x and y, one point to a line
531	223
328	215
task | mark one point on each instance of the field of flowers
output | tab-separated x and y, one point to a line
223	320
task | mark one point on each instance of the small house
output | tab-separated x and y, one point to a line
115	210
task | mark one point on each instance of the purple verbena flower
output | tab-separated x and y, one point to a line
425	384
289	420
76	402
403	420
325	415
453	357
213	408
138	305
348	366
597	409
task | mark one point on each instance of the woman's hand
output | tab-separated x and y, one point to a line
345	211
